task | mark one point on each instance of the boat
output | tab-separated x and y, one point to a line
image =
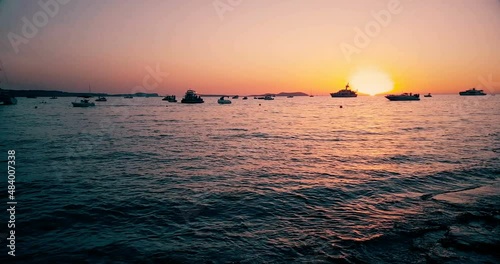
101	99
192	98
53	97
236	97
224	101
290	96
346	92
128	96
6	98
85	102
472	92
403	97
170	98
428	95
266	97
245	98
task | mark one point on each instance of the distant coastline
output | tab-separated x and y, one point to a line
51	93
253	95
55	93
284	94
48	93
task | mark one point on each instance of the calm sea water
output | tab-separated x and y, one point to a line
295	180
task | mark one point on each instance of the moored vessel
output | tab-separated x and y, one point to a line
170	98
84	102
472	92
403	97
192	98
222	100
346	92
6	98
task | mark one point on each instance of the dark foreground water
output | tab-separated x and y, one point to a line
291	181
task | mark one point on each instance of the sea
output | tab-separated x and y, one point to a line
293	180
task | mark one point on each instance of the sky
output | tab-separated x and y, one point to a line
250	47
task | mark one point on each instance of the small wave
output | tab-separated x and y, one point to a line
413	128
236	129
363	239
401	158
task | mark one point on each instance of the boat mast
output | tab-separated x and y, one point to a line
4	73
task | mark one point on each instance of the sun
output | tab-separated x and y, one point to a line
371	82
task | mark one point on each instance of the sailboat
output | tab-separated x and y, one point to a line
84	102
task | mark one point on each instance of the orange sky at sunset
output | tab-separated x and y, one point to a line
252	47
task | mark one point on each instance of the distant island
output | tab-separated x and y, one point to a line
45	93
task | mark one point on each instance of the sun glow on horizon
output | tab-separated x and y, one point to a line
371	82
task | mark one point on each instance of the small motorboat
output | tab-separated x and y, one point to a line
192	98
245	98
101	99
6	98
428	95
403	97
84	102
268	97
236	97
472	92
290	96
223	101
128	96
170	98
